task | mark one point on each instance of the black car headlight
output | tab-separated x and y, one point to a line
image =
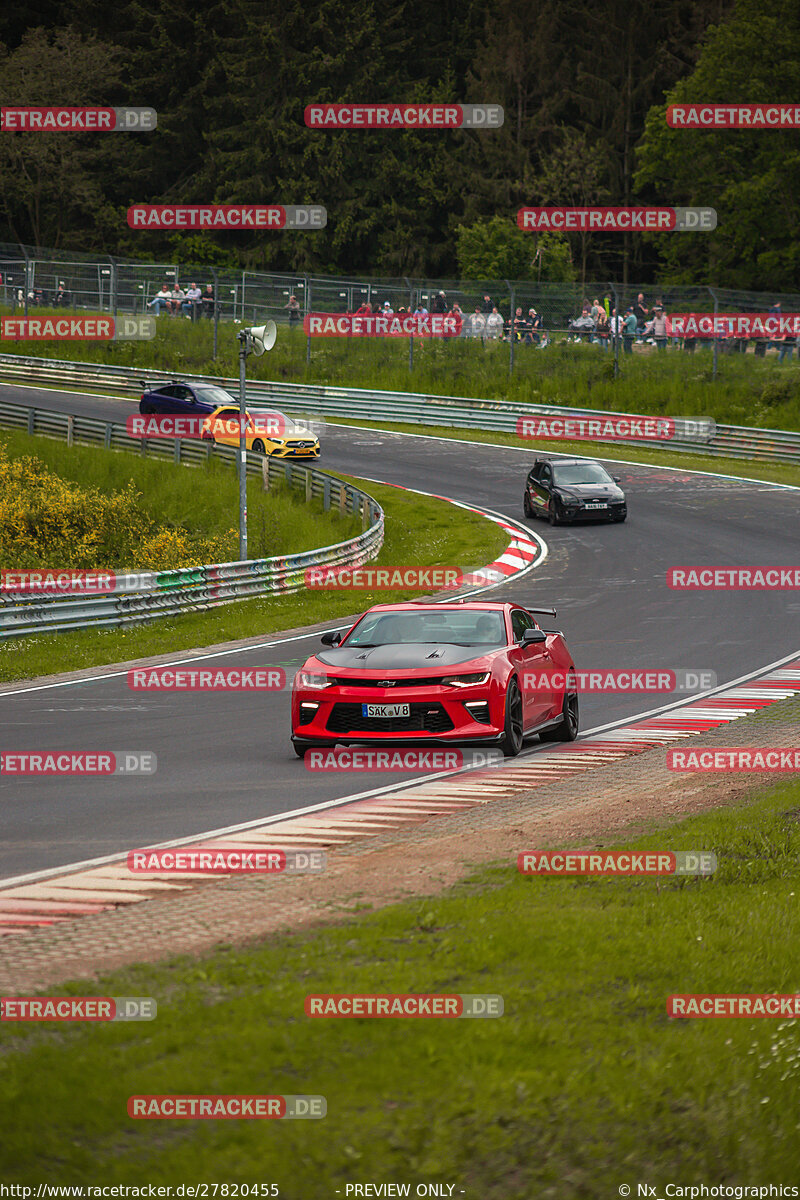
466	680
569	501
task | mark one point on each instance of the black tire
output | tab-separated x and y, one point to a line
526	505
258	447
554	512
567	728
513	726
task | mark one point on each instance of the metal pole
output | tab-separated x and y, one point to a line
27	275
242	335
308	310
216	308
113	284
716	343
411	338
512	331
616	332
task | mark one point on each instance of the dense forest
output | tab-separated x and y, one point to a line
584	88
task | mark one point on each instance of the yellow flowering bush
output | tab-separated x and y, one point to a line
47	521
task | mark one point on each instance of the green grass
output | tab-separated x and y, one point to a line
748	390
418	530
583	1085
202	500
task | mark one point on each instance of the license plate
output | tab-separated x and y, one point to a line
385	710
595	505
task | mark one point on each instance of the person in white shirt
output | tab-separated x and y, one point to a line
191	305
176	299
494	324
477	324
161	300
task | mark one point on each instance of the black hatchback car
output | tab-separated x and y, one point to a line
573	489
185	399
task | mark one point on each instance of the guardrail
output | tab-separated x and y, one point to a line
729	441
148	595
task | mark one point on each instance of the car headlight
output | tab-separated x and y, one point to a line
309	680
466	680
569	501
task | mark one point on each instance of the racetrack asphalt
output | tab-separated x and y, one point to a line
224	759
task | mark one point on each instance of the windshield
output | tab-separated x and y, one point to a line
467	628
215	396
576	473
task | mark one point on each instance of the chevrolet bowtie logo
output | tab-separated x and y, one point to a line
386	682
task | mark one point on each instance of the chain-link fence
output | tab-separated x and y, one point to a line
503	317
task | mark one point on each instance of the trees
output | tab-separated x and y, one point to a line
498	249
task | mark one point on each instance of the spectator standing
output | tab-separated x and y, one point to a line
61	298
209	301
535	323
658	327
488	304
363	311
615	325
494	324
602	326
594	310
387	310
629	330
640	311
191	305
420	310
775	311
293	305
607	305
787	346
161	300
439	303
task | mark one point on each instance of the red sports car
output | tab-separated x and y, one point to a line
476	672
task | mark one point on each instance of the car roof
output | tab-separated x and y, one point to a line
561	461
455	605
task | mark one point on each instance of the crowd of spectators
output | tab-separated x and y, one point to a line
192	303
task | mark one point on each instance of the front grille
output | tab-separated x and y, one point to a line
432	681
429	718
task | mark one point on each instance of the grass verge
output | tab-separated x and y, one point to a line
584	1085
747	391
419	531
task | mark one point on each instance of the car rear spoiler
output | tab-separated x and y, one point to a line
154	386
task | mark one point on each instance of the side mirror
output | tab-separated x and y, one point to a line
616	478
531	636
331	639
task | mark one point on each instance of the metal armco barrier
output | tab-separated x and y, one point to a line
189	589
729	441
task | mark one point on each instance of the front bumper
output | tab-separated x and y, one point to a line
442	714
